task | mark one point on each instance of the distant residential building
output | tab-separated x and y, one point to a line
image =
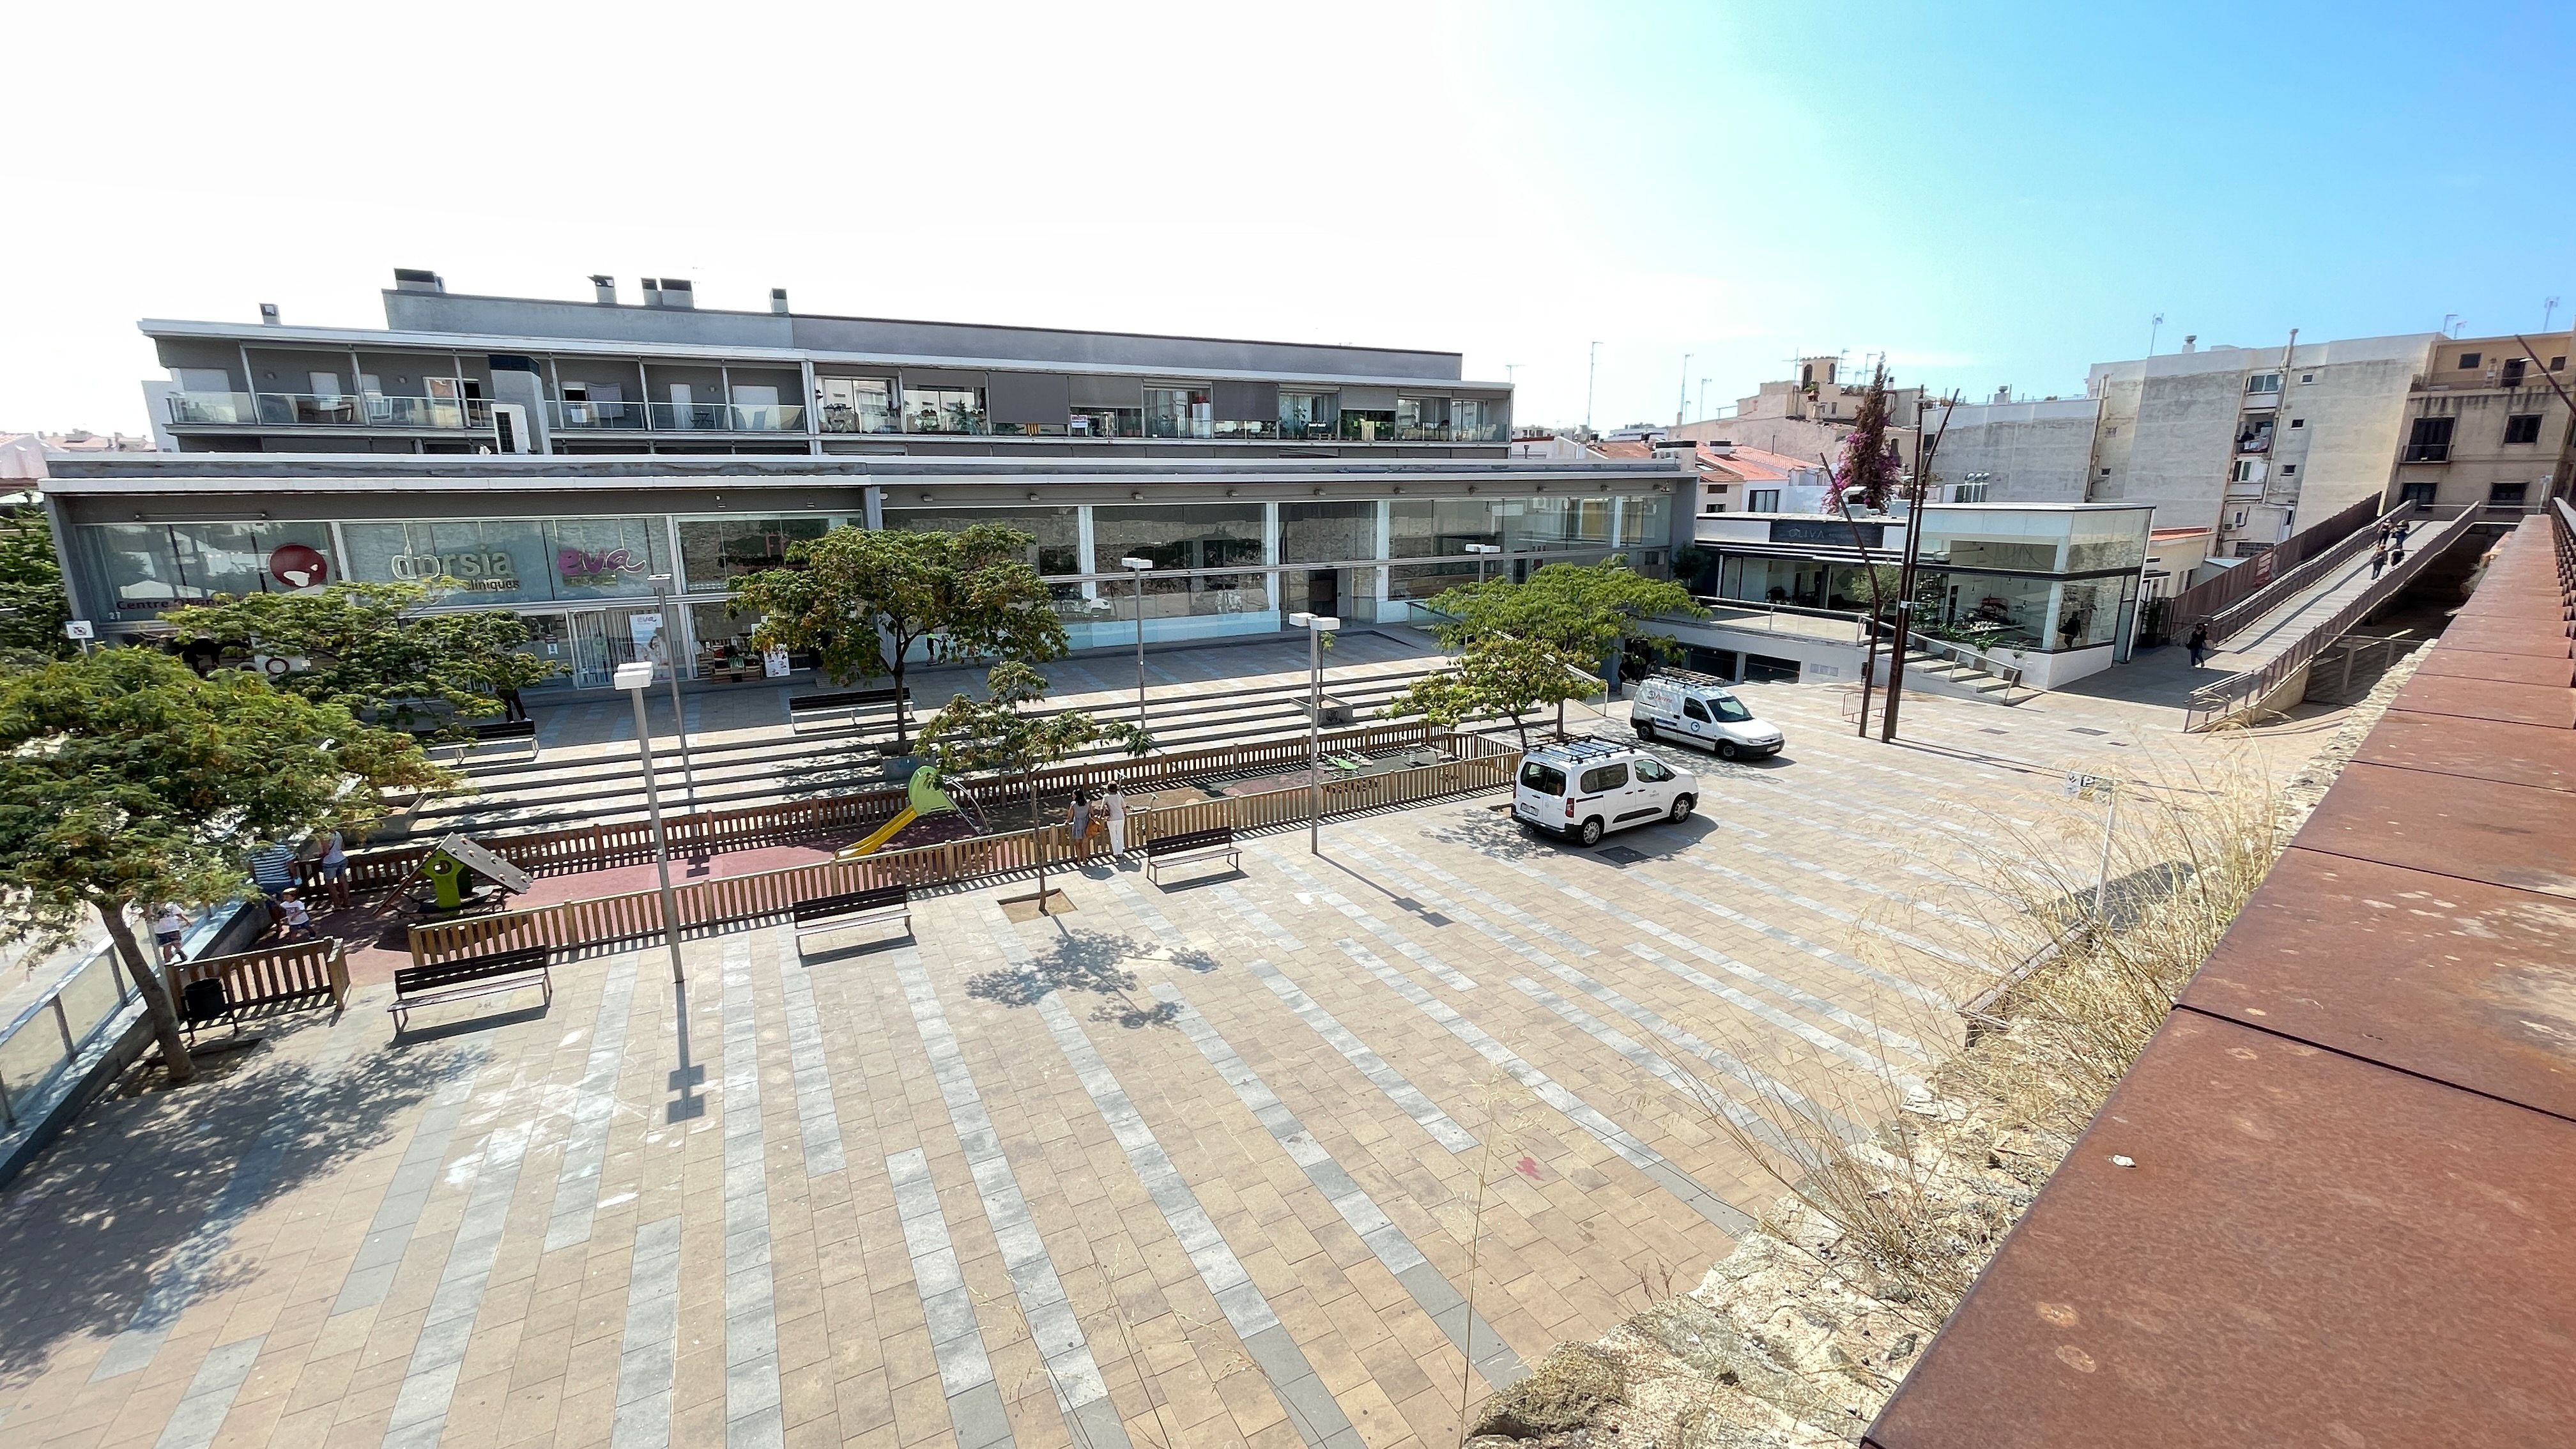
2020	452
1808	416
2484	426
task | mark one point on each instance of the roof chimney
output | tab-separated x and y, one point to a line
652	292
677	293
605	288
778	300
268	314
413	279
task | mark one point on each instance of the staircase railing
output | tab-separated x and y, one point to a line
1966	656
2235	618
2206	600
2215	704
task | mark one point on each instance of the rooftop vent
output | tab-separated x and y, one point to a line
413	279
605	288
676	293
652	292
778	300
268	314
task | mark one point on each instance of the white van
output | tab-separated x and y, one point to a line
1702	713
1582	789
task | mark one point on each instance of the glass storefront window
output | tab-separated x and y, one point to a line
1988	610
151	567
606	558
1186	536
857	404
715	550
1553	523
2088	613
1058	531
1440	529
943	410
497	562
1179	412
2084	555
1327	532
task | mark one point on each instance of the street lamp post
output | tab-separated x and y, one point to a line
1316	627
636	678
1138	568
679	718
1481	550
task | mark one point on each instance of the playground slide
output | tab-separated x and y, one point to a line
926	798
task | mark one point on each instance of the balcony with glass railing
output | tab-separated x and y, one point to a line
326	410
708	417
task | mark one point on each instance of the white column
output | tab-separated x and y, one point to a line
1083	542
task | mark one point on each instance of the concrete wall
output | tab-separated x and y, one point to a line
2035	452
2354	419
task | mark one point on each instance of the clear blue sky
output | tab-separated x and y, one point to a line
1989	194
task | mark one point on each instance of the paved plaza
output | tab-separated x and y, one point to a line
1292	1156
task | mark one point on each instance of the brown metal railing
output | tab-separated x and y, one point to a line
1478	764
2207	601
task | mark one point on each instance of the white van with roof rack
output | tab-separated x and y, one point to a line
1583	789
1696	709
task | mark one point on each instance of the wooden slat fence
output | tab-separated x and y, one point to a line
727	900
301	971
600	847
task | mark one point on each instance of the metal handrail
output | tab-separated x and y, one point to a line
2237	616
50	1007
2204	599
2214	704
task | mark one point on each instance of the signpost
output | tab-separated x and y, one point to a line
2080	785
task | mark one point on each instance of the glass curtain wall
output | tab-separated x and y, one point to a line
1180	537
151	567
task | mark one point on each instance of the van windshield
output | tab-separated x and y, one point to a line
1545	779
1728	710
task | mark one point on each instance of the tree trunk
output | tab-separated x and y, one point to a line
156	1000
1521	724
902	718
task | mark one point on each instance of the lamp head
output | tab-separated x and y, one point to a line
1139	564
638	675
1320	623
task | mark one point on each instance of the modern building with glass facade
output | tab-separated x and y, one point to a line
2054	586
573	544
451	373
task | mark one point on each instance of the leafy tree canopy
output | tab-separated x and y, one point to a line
33	606
1869	464
997	733
862	599
369	649
1499	674
1583	610
126	779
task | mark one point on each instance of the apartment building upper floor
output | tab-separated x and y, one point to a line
453	373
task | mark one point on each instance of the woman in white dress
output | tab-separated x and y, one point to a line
1113	808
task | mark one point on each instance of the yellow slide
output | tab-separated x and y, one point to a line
883	834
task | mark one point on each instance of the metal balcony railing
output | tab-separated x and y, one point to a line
326	410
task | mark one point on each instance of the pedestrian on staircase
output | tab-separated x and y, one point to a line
2378	558
2199	642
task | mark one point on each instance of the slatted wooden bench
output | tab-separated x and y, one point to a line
847	702
857	908
469	976
485	732
1190	847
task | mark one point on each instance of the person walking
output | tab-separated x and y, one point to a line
2199	642
2405	529
2378	558
335	869
1081	826
272	868
513	708
295	916
1113	808
169	930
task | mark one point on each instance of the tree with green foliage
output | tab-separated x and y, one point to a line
863	599
1524	645
33	605
127	780
997	734
370	649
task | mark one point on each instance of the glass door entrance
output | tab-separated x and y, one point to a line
591	668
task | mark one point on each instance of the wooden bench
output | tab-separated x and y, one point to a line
857	908
483	975
485	732
1189	847
848	702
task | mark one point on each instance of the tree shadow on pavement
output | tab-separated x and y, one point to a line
1095	962
95	1221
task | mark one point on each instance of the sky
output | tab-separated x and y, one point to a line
1986	195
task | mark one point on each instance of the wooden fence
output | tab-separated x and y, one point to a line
601	847
288	975
1481	764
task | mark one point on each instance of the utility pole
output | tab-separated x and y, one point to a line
1681	404
1703	398
1915	487
2548	309
2154	325
1591	373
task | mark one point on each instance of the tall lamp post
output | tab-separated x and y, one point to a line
636	678
1316	627
1137	568
679	718
1482	551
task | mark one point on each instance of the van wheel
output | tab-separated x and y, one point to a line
1590	834
1646	730
1726	750
1681	808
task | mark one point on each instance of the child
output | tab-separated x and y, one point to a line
295	916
